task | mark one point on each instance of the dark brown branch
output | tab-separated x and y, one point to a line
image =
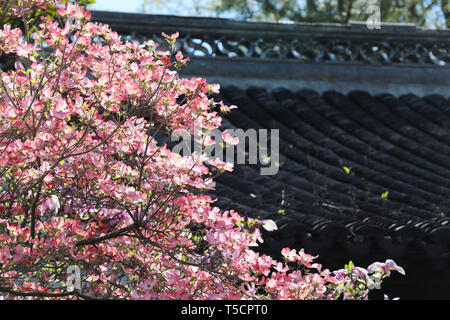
107	236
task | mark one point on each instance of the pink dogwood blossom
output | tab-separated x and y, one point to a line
85	182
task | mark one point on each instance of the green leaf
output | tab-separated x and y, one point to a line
282	212
385	194
350	265
347	170
265	159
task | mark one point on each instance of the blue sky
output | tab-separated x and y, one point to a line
118	5
175	7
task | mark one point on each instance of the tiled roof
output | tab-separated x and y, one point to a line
340	150
338	155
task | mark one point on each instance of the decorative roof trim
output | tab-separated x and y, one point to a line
396	59
392	44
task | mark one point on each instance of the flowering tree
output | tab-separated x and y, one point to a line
84	183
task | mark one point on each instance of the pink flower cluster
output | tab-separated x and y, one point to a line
85	183
22	8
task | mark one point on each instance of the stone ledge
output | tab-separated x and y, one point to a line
393	79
